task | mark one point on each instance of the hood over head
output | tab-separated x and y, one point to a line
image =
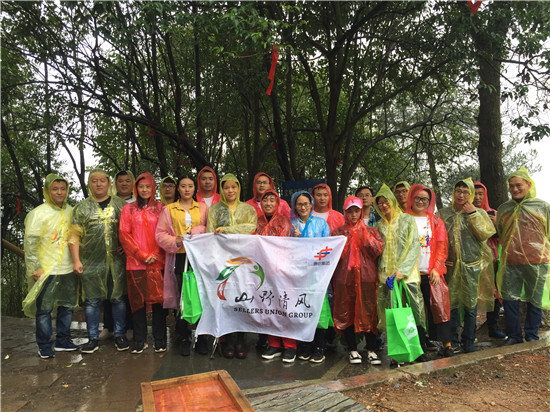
349	202
386	192
147	178
404	183
413	191
258	175
52	177
485	203
162	198
327	187
229	176
200	194
524	174
277	200
112	190
293	202
470	183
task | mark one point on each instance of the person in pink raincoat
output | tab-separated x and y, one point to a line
184	217
144	262
262	183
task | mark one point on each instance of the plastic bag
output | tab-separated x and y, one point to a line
190	301
325	320
440	303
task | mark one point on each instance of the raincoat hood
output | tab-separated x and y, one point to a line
469	182
132	178
110	192
347	202
293	202
162	198
52	177
485	203
200	194
258	175
327	187
413	191
230	176
524	174
404	183
386	192
277	200
148	178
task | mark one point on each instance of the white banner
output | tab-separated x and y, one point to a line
262	284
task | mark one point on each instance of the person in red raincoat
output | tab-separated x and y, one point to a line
262	183
144	262
355	282
207	187
434	245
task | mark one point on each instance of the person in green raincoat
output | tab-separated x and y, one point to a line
399	258
401	193
49	265
95	248
231	216
470	272
523	225
167	190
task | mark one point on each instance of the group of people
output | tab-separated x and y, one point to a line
125	250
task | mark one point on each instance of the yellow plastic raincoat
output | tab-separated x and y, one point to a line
470	270
47	248
243	220
401	253
524	230
161	193
96	231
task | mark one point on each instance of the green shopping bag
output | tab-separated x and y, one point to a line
190	301
403	341
325	320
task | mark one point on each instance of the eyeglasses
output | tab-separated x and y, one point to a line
383	203
422	199
300	205
462	192
401	191
168	186
364	196
262	182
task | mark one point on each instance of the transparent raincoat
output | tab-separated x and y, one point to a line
161	194
200	194
284	208
96	231
401	253
355	280
335	219
46	248
278	225
470	261
242	221
492	242
137	236
524	230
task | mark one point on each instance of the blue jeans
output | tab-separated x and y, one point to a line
92	312
468	332
533	319
44	322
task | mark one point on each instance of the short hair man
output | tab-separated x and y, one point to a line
366	194
50	275
124	182
401	193
523	227
262	183
167	190
470	272
207	187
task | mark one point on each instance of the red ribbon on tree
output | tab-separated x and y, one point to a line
18	203
474	5
151	131
271	75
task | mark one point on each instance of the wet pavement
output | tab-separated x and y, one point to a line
110	380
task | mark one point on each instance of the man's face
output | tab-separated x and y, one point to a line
207	182
461	195
262	184
99	183
366	196
321	198
478	197
269	203
124	186
401	194
518	187
58	192
168	190
354	214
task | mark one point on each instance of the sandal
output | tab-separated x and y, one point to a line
240	350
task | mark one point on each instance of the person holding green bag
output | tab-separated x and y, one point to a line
184	217
399	257
304	224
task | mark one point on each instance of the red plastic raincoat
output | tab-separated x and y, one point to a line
284	208
200	197
278	225
492	242
335	219
355	279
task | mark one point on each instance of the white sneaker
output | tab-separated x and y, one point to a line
354	357
373	359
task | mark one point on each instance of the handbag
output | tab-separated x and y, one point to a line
190	301
440	303
403	339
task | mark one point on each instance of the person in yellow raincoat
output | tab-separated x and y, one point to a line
167	190
400	258
523	225
401	193
470	272
231	216
94	247
49	265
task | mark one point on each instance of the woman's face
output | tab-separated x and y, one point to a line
421	202
353	214
144	190
384	206
186	188
303	207
230	191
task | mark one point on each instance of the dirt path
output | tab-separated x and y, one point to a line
519	382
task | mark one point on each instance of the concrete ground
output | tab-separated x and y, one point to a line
110	380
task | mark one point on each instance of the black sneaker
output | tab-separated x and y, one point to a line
90	347
185	347
272	352
289	355
46	353
139	347
422	358
510	341
67	346
121	343
456	349
304	352
317	356
160	345
496	334
201	347
470	349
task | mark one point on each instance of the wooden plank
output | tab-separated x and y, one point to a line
234	391
147	397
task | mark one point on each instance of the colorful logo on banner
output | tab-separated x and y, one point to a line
235	264
323	253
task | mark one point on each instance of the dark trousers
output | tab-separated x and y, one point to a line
351	341
533	319
440	331
159	324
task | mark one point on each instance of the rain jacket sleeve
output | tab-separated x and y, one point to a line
203	210
439	253
127	237
166	238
